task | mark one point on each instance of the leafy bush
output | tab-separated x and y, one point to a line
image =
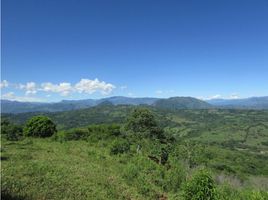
175	177
10	131
14	133
76	134
223	167
119	147
39	126
159	152
104	130
200	187
193	154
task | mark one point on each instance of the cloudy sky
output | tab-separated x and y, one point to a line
77	49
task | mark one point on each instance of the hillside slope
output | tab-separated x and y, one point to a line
248	103
181	103
8	106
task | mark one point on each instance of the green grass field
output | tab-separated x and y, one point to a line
44	169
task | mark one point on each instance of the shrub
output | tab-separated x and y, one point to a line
10	131
39	126
175	177
14	133
119	147
160	152
76	134
200	187
103	131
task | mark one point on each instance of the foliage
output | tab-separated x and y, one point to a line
175	176
200	187
11	131
40	126
174	103
142	123
192	139
194	154
119	147
160	152
108	129
76	134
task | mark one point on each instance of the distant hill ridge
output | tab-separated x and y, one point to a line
247	103
182	103
8	106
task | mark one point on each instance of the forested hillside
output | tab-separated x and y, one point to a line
148	152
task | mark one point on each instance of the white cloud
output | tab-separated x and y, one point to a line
217	96
30	88
8	95
234	96
200	97
4	84
13	97
91	86
64	89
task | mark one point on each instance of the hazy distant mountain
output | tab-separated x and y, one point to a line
170	103
248	103
65	105
119	100
182	103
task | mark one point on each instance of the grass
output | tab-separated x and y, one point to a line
45	169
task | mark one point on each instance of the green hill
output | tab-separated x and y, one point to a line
175	103
107	161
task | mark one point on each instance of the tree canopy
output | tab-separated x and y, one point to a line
40	126
142	121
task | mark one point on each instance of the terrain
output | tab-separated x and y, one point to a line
81	161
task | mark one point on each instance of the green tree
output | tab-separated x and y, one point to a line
142	121
11	131
200	187
14	133
39	126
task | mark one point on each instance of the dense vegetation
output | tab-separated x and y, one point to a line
174	103
39	126
130	152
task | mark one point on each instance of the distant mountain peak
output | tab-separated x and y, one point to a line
182	103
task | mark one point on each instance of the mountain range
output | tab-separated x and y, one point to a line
247	103
8	106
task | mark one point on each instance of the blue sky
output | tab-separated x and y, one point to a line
77	49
